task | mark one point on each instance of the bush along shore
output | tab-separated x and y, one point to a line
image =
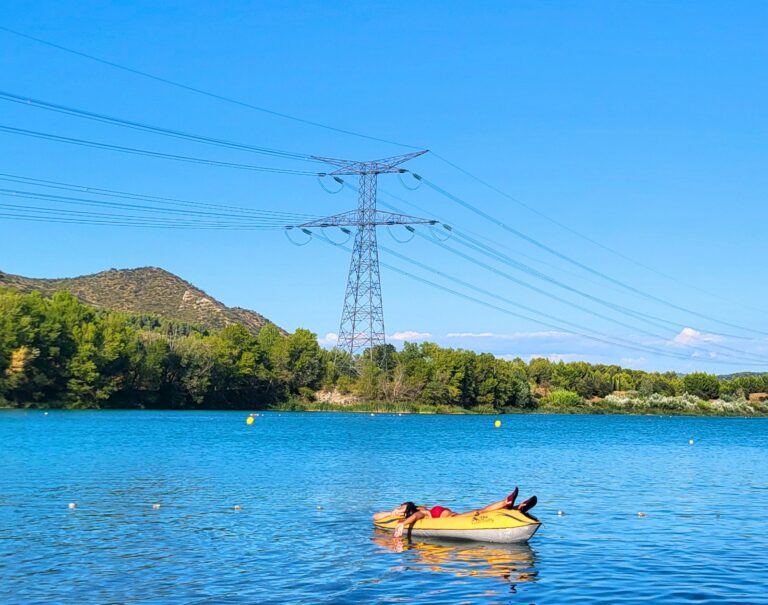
58	352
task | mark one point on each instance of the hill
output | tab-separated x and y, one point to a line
738	375
149	290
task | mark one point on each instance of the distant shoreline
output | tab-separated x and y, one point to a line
703	409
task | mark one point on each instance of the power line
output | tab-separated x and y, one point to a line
591	311
601	339
201	91
143	197
41	213
172	221
477	246
499	256
659	322
490	240
579	264
26	101
582	235
118	223
758	360
276	219
155	154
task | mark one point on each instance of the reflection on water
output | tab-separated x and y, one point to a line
512	563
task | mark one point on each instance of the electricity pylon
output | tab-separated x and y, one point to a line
362	319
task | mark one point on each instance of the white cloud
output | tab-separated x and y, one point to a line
563	357
555	357
409	335
689	336
631	361
511	336
470	335
330	339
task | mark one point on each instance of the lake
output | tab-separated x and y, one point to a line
306	485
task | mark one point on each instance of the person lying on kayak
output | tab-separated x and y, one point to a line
412	513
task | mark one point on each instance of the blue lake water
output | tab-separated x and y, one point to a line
308	483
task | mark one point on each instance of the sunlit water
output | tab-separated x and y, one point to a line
308	483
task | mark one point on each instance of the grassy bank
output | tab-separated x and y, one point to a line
558	403
378	407
679	405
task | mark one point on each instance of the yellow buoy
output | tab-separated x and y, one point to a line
249	420
497	424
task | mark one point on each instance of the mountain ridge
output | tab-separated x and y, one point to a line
143	290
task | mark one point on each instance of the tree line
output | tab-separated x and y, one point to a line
59	351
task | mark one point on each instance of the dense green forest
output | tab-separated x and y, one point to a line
58	351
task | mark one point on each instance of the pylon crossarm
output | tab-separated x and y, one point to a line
385	165
379	217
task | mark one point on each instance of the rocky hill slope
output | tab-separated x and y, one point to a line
148	290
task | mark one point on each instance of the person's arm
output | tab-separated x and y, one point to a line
409	521
395	512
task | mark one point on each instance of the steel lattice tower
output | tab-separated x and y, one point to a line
362	319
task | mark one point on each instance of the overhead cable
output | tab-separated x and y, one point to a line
155	154
604	340
581	265
90	190
201	91
154	129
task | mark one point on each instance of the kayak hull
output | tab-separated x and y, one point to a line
510	535
501	527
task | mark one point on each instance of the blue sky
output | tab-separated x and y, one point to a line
639	124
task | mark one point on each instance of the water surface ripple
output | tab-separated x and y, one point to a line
307	484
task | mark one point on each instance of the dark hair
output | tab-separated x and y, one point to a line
410	508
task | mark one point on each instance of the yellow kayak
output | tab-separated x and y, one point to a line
500	526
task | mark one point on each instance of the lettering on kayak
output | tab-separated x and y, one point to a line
480	519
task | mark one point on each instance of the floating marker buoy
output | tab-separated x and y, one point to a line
45	413
690	442
641	514
560	513
238	507
155	506
319	507
249	420
497	424
373	414
72	505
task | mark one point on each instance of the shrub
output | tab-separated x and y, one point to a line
702	385
306	393
563	398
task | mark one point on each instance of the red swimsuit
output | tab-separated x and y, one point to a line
437	511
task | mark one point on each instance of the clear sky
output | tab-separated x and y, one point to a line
641	125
